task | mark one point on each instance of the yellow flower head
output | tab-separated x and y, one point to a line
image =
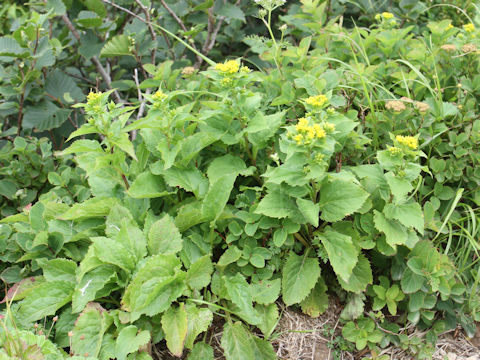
302	125
319	132
317	101
394	150
226	82
245	70
409	141
159	96
387	15
93	97
230	67
329	127
298	138
469	27
449	26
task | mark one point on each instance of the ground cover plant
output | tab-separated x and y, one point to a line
328	161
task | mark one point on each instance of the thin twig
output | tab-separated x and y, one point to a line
146	11
94	59
141	100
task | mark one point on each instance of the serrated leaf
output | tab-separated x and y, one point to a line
361	276
411	282
395	233
266	291
354	307
199	320
199	274
130	340
189	179
88	331
339	198
409	215
201	351
263	349
95	207
147	185
317	301
239	292
278	204
58	269
342	253
45	116
230	255
268	318
118	46
174	325
299	276
236	342
58	84
309	210
164	237
399	187
88	286
113	252
45	300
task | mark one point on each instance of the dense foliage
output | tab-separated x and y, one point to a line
326	159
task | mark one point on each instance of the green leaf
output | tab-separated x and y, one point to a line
199	320
147	185
278	204
189	179
58	269
92	282
268	318
339	198
236	342
174	324
395	233
266	291
409	215
10	47
164	237
113	252
57	84
45	116
118	46
239	292
232	12
95	207
88	331
263	349
80	146
217	197
360	278
354	308
317	301
45	300
342	253
201	351
400	187
199	274
299	276
154	287
416	301
309	210
231	255
130	340
411	282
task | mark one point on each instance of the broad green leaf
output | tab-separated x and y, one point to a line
239	292
361	276
199	274
88	331
10	47
299	276
189	215
266	291
198	321
400	187
201	351
342	253
91	283
354	308
409	215
278	204
154	287
416	301
58	84
339	198
317	301
174	325
45	116
58	269
189	179
37	221
95	207
230	255
113	252
231	11
81	146
268	318
309	210
45	300
217	197
263	349
237	342
130	340
164	237
395	233
147	185
411	282
225	165
118	46
22	288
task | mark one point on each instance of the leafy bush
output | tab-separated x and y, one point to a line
339	171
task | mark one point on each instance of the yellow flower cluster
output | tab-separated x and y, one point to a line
307	133
159	96
230	67
316	101
387	15
449	26
245	70
409	141
469	27
93	97
394	151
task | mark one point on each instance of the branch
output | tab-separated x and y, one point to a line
94	59
146	11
